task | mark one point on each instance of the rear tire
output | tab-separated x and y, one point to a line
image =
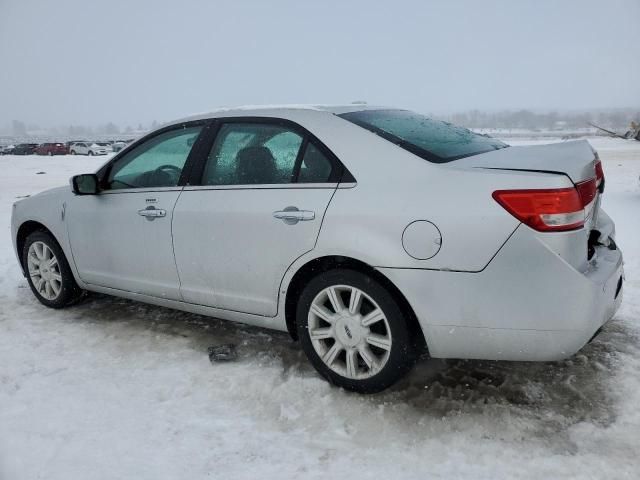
353	331
73	152
48	272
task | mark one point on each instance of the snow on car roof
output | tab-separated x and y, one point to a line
261	109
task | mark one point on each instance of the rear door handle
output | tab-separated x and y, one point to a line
151	213
291	215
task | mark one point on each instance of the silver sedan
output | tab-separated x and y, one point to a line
371	235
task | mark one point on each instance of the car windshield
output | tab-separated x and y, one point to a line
433	140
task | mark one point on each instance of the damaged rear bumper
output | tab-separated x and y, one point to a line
529	303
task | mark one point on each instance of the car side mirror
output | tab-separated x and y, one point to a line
85	184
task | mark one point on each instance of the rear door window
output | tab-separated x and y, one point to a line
315	166
252	154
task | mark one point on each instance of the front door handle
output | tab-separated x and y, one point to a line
151	213
291	215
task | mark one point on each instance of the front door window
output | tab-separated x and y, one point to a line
158	162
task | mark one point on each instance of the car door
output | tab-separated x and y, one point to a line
121	237
248	215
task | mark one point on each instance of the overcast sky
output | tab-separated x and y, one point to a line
89	62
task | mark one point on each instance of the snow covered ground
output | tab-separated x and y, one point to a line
115	389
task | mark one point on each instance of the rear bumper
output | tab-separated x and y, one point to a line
528	304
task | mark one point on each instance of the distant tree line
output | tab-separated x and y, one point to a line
527	119
21	129
109	128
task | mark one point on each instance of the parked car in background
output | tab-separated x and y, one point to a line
25	149
7	149
120	144
108	146
68	144
52	149
371	235
87	148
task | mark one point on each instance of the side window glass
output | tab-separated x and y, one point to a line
285	147
315	167
220	168
252	154
158	162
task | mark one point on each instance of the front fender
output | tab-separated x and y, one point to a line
48	210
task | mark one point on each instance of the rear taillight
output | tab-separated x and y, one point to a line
599	175
587	191
550	210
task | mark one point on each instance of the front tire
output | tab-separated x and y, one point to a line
48	272
353	331
90	153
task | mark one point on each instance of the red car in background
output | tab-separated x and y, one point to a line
52	149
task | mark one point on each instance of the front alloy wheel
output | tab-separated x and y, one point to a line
48	272
354	332
44	270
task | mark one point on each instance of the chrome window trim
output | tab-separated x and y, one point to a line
274	186
177	188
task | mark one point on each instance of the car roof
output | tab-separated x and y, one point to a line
277	110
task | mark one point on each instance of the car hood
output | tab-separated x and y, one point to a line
51	192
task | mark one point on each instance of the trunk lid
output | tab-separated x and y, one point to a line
575	159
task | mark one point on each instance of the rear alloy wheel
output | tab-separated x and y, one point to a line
73	152
353	331
48	271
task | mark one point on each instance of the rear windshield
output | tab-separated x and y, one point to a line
433	140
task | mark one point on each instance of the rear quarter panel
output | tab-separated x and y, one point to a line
394	188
